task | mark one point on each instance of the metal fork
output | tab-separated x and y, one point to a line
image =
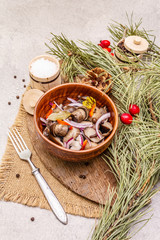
25	154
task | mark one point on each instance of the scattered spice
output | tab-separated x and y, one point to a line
17	175
24	86
94	120
23	80
82	176
86	163
17	97
9	103
15	76
32	219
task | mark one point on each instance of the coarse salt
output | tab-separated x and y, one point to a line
43	68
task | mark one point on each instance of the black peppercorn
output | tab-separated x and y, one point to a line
32	219
15	76
9	103
82	176
86	163
17	175
94	120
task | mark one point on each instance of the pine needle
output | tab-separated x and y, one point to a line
134	154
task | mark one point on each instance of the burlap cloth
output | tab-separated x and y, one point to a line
24	189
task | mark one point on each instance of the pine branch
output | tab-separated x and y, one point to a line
134	155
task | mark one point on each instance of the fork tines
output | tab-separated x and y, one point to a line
17	140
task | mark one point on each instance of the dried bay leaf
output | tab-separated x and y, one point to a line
62	115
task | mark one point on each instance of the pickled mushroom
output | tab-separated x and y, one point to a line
78	127
90	133
80	114
73	133
59	129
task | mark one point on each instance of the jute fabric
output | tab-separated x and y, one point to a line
17	184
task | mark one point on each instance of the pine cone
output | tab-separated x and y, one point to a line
98	78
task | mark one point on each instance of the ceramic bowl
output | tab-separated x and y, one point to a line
60	94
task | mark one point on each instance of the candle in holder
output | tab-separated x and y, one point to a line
44	72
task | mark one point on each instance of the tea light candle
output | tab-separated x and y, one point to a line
44	72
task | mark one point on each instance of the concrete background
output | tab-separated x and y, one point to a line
24	27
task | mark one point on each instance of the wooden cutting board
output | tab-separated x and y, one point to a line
90	179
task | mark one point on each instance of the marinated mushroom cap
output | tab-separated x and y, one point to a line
69	108
46	132
73	133
98	112
80	114
92	135
56	140
59	129
106	128
90	145
75	145
49	123
86	111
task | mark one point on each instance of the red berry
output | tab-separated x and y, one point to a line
100	45
107	49
112	54
134	109
105	43
126	118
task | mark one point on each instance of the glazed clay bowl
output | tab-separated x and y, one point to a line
59	94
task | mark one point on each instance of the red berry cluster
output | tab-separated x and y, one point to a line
105	45
127	118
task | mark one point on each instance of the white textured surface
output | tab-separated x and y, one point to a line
24	27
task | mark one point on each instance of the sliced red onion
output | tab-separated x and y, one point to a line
79	125
50	103
102	118
80	139
76	104
71	100
43	120
58	106
68	143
